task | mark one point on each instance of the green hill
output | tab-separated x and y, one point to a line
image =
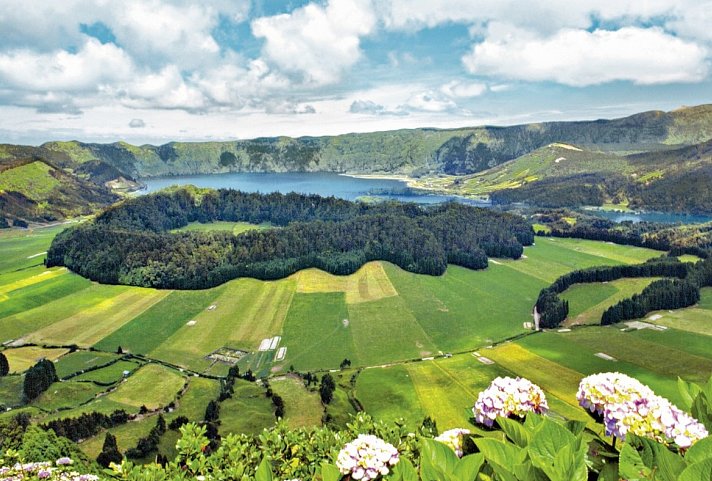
36	190
414	152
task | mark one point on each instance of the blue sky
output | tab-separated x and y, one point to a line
160	70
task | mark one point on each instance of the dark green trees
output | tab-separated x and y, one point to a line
110	452
38	378
131	243
4	365
327	388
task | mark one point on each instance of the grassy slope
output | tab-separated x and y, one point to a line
303	408
36	190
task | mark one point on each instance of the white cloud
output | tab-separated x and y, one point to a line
460	89
370	107
93	64
430	101
318	43
137	123
580	58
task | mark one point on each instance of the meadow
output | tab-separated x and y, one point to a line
387	322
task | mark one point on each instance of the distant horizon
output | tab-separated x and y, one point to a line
424	127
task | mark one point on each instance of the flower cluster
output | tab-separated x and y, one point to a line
44	471
507	397
597	391
627	406
454	438
367	457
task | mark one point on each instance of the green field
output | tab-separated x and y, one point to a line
587	302
248	411
75	362
163	384
234	227
109	374
382	318
303	407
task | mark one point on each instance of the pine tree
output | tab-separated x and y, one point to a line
110	452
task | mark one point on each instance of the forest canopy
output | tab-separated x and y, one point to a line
131	243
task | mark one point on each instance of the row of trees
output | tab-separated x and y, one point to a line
553	310
86	425
128	244
662	294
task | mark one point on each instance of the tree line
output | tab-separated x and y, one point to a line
131	243
682	291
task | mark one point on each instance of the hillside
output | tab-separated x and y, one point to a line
414	152
35	190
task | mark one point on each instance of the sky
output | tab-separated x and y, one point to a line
153	71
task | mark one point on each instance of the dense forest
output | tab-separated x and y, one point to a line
695	239
131	243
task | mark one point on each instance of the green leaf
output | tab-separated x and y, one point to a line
698	471
515	431
575	427
468	467
548	440
688	392
436	460
609	472
669	465
699	451
500	452
632	466
264	471
403	471
702	410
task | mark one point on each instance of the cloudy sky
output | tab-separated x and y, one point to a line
159	70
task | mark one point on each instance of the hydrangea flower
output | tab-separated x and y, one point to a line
507	397
597	391
45	471
367	457
454	438
628	406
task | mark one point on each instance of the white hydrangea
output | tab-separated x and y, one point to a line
367	457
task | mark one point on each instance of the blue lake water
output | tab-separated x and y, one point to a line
324	184
351	188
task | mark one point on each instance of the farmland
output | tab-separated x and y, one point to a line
383	319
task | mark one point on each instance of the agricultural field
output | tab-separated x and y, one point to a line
386	321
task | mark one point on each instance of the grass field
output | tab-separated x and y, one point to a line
22	358
587	302
66	395
149	329
162	383
92	324
303	408
248	411
11	391
378	316
234	227
80	360
109	374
